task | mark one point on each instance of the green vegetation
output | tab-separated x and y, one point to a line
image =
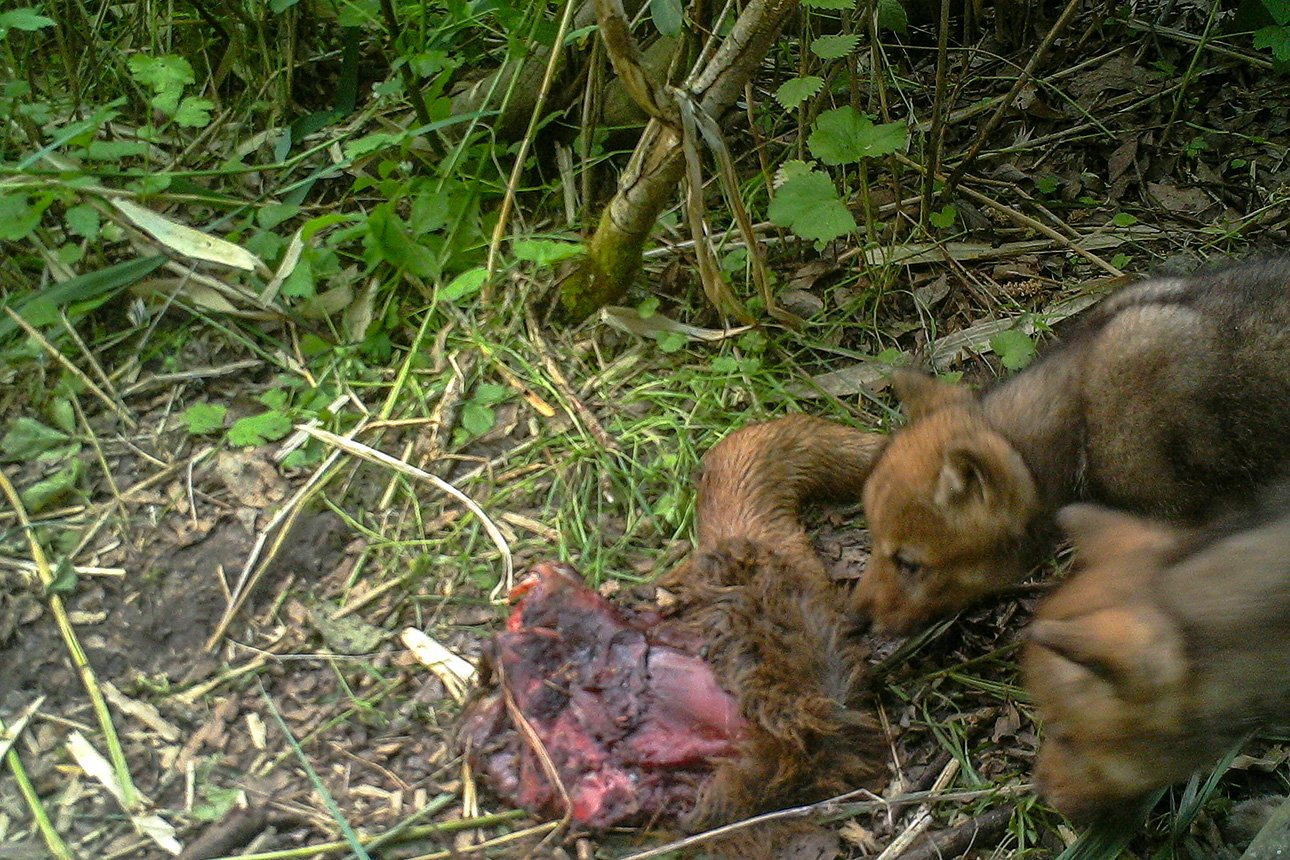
229	228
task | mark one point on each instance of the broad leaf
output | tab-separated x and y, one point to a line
809	206
259	429
668	16
794	91
892	16
26	19
834	47
28	438
844	136
1014	348
204	418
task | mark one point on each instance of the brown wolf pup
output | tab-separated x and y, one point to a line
1173	397
1168	647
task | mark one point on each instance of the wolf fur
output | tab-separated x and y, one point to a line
1172	399
1166	649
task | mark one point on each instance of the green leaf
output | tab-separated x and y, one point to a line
26	19
259	429
892	16
1014	348
834	47
1121	260
945	218
27	438
668	16
1279	10
545	252
64	581
793	92
217	802
648	307
300	284
271	215
1124	219
845	135
83	221
1047	184
388	239
204	418
56	487
114	150
809	206
671	341
63	415
194	112
369	143
829	4
1275	37
476	418
274	398
166	76
19	215
489	393
465	284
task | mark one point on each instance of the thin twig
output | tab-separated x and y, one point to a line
129	796
71	368
373	455
1017	86
508	201
9	736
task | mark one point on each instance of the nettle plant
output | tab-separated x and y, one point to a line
842	140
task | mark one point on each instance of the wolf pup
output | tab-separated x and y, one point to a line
1173	397
1167	648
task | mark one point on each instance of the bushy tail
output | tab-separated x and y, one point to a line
775	629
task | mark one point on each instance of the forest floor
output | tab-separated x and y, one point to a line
275	713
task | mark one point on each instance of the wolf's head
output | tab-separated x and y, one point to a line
950	507
1108	671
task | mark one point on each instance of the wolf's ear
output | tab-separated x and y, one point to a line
1101	534
983	469
922	394
1134	649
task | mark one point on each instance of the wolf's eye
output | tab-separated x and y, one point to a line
905	565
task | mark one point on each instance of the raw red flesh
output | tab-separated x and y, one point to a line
632	726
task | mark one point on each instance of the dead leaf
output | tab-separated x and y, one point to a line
187	242
801	302
1188	201
804	277
455	672
930	294
630	321
346	635
250	478
855	834
358	314
1117	75
1122	159
285	268
1007	724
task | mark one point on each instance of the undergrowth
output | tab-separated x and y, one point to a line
223	221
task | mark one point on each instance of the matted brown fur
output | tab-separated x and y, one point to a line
773	626
1172	400
1168	647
